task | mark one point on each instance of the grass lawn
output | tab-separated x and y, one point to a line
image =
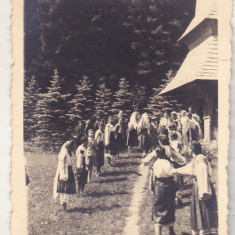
102	210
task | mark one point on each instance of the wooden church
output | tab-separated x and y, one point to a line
196	82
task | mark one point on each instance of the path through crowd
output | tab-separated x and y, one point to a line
132	226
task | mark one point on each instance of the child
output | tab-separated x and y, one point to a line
64	183
204	215
109	138
81	166
90	153
99	137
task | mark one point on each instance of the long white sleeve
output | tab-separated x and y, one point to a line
186	170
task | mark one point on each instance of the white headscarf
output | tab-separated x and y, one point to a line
133	123
144	122
62	169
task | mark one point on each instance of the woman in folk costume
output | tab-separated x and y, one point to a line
64	183
82	172
163	125
204	214
90	153
197	132
153	133
132	138
163	184
109	140
99	137
186	132
143	131
119	135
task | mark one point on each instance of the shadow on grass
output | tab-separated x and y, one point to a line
119	173
125	164
91	210
105	194
130	156
102	181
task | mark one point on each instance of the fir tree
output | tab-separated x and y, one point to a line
81	105
103	101
123	97
51	109
159	104
30	99
139	97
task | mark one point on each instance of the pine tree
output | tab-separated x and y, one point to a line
81	105
123	97
139	97
159	104
51	109
30	99
103	101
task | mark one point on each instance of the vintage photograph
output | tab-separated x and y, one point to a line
121	117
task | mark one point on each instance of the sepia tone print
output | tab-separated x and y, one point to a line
121	117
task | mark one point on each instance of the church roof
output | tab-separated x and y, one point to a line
201	63
205	9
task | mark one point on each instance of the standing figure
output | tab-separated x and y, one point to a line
132	137
119	135
109	140
143	130
99	137
64	183
204	213
163	125
153	133
90	153
197	132
186	132
82	172
163	185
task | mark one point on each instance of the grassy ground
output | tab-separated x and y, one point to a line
103	209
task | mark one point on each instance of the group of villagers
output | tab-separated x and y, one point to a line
167	146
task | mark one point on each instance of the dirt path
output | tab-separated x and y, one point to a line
132	226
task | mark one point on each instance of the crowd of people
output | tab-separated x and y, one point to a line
166	143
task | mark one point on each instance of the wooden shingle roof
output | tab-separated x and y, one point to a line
201	63
205	9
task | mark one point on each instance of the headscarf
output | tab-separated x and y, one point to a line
133	123
144	122
62	169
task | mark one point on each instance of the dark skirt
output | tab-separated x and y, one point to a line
164	201
111	148
133	138
68	186
100	154
204	213
144	140
120	142
82	176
